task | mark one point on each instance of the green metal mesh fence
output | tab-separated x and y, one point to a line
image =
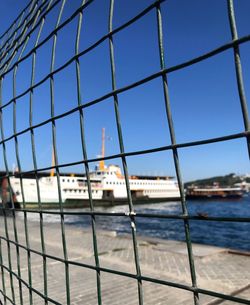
14	43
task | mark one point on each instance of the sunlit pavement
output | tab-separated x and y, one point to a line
217	269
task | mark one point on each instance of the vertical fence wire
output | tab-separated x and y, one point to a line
12	204
238	70
20	168
13	44
55	157
34	159
85	157
11	198
2	274
175	154
124	163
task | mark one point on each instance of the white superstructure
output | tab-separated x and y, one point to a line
114	185
72	188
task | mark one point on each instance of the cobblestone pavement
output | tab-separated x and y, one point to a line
217	269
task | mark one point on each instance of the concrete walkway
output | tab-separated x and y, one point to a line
217	269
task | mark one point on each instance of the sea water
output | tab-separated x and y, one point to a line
234	235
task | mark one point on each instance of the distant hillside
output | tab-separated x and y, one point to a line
228	180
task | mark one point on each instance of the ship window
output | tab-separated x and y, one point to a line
63	180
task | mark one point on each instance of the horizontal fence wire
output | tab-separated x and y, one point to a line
27	30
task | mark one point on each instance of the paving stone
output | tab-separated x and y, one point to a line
216	268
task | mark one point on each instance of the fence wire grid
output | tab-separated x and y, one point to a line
22	42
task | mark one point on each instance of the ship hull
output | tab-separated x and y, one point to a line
84	203
206	197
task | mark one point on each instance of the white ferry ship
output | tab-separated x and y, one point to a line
107	183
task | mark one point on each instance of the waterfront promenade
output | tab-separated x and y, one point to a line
217	269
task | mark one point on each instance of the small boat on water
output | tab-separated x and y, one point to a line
213	192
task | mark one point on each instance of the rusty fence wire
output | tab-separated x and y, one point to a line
26	32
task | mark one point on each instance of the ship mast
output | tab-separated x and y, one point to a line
52	171
101	163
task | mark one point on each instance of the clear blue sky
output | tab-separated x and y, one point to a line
204	97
